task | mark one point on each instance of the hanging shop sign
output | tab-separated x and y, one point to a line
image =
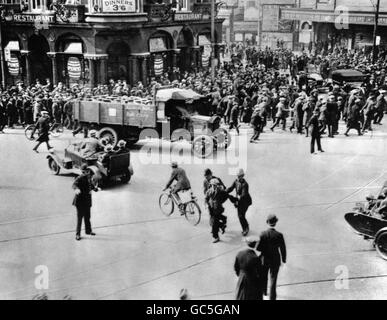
74	68
158	65
157	44
118	6
13	65
206	53
190	16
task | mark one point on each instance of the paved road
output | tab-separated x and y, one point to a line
140	254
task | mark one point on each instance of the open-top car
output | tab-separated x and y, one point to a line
118	167
368	221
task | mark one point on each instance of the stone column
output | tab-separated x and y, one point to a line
91	72
133	70
97	68
26	54
52	56
195	51
175	54
144	69
103	70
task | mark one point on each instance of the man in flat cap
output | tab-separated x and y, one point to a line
248	268
273	251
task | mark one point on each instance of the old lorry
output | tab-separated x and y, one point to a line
181	110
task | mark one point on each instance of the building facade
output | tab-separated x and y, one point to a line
90	41
344	23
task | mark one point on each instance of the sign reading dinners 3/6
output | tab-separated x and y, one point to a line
119	6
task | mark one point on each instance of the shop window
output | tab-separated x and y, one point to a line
180	5
39	5
9	1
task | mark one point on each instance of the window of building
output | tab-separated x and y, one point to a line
180	5
38	5
9	1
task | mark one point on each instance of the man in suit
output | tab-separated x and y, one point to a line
91	145
248	268
182	182
242	201
273	250
82	201
315	133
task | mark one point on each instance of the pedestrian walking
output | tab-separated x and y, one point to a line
242	201
353	117
83	201
234	117
273	251
43	126
249	270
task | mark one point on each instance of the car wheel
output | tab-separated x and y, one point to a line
54	167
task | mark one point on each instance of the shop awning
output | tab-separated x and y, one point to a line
12	46
73	47
329	16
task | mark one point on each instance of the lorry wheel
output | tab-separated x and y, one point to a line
110	134
54	167
381	244
222	139
203	146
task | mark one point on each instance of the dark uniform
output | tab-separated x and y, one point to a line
83	202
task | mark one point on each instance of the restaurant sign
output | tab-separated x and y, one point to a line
33	18
118	6
191	16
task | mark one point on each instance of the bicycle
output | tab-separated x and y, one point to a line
56	129
190	209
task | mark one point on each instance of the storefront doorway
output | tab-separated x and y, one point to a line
118	61
185	42
39	61
72	67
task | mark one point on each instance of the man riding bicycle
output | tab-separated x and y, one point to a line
182	182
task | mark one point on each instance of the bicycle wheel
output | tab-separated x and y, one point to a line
56	130
166	204
193	213
28	130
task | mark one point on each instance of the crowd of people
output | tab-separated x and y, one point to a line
253	86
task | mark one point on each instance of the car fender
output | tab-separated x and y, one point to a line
54	157
380	231
131	171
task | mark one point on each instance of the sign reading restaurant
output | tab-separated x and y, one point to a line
33	18
118	6
190	16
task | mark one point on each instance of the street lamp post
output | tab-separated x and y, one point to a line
375	32
213	40
2	64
